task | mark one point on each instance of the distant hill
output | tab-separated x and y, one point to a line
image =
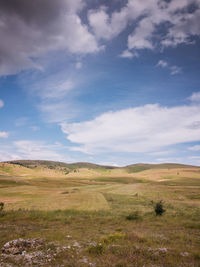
133	168
142	166
57	165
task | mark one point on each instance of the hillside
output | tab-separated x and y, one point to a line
101	215
78	165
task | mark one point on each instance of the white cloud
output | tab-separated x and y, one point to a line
128	54
4	134
142	129
145	20
194	148
1	103
105	27
173	69
162	63
141	37
21	121
195	97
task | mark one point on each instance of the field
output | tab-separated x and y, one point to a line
100	215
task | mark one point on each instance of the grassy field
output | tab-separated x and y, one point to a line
92	205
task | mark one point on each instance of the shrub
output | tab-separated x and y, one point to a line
158	208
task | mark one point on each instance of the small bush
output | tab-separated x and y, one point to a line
159	209
134	216
97	249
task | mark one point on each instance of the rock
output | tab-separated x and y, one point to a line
184	254
158	250
29	252
76	244
19	246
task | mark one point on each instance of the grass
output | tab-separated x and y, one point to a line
109	213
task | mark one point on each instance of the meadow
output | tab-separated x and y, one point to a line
103	216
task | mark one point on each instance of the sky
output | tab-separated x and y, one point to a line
110	82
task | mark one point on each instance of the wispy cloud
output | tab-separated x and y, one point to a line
35	128
173	69
162	63
56	91
194	148
21	121
30	149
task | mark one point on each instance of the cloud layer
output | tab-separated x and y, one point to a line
142	129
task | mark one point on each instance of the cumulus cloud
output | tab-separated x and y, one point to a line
29	29
1	103
146	19
142	129
4	134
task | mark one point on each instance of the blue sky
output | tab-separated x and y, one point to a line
110	82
